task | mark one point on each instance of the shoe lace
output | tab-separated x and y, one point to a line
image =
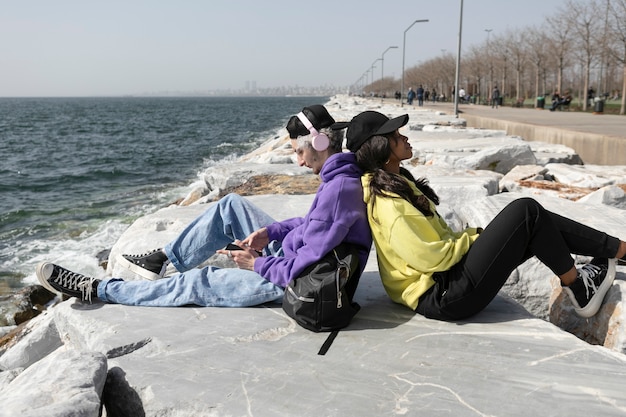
77	282
587	273
142	255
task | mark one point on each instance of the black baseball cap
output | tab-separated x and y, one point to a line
367	124
317	115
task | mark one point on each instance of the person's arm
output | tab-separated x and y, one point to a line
278	230
426	244
416	241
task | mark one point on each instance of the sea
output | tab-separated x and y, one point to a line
76	172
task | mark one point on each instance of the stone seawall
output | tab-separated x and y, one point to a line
593	148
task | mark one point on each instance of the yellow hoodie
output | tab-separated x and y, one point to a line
410	246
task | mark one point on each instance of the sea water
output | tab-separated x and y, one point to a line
76	172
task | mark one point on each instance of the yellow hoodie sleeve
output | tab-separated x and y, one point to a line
421	241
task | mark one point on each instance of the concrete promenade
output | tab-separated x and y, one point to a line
597	138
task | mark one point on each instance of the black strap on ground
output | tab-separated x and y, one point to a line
329	341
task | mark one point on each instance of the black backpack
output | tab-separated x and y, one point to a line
320	299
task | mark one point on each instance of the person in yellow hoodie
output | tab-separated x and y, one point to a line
452	275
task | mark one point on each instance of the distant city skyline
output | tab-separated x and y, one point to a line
257	91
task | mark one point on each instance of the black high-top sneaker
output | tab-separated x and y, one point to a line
55	278
151	265
592	283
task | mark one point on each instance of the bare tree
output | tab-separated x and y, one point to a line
413	77
537	54
583	17
475	70
617	48
446	68
501	63
559	44
516	45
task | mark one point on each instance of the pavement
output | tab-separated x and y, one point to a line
606	124
597	138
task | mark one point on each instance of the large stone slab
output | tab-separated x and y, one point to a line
256	361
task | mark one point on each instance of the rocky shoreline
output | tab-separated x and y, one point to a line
475	171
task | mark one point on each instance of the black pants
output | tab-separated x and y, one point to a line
521	230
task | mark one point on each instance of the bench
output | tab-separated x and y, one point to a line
564	106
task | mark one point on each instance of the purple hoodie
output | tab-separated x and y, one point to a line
337	215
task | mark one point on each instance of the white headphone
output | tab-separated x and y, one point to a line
320	141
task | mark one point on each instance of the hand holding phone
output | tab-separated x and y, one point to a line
232	246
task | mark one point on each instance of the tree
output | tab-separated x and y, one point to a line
583	16
537	54
501	52
474	69
559	45
516	45
617	48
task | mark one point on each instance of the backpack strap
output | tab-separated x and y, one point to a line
329	341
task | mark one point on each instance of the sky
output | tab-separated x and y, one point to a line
66	48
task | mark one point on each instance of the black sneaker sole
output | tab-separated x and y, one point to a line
44	272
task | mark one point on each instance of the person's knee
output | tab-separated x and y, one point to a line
231	199
524	204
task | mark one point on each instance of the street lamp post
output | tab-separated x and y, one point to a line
403	55
490	84
372	68
382	64
458	64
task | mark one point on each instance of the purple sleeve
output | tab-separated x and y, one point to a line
278	230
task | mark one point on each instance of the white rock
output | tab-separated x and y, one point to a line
7	376
510	182
66	383
40	338
547	153
499	159
220	177
590	176
610	195
606	328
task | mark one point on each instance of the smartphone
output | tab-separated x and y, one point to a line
232	246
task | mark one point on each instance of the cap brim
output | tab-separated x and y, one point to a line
392	125
339	125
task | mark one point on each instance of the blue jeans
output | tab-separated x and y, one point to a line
233	217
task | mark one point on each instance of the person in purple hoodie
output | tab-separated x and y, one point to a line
269	255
